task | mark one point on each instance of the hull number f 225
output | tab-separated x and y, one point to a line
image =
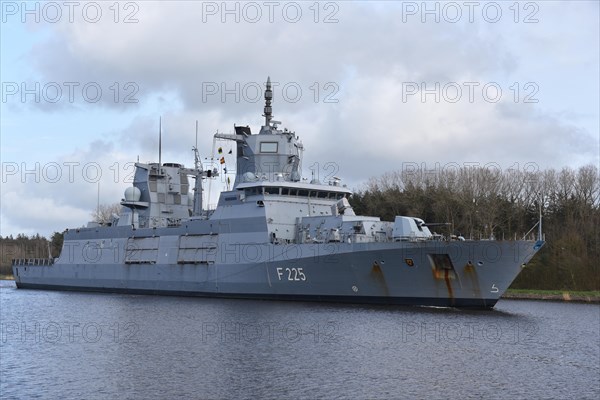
292	274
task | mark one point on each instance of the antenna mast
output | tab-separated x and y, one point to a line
197	210
268	97
159	141
196	157
98	203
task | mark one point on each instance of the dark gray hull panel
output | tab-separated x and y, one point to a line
400	301
372	273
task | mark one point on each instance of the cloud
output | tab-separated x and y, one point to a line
344	87
43	197
171	48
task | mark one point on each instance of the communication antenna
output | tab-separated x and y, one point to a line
268	109
198	192
159	141
195	149
98	203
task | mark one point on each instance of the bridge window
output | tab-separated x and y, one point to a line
320	194
271	190
268	147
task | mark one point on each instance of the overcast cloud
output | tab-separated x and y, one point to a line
350	87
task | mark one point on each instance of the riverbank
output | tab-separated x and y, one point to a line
553	295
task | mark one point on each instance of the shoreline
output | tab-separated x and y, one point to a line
515	294
552	295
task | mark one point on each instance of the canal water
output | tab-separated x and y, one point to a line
72	345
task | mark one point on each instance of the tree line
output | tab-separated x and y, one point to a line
487	203
37	246
24	246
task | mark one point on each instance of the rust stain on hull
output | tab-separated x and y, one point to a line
448	284
377	275
471	272
446	275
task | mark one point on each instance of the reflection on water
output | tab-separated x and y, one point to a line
85	345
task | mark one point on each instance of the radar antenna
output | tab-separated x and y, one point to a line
195	150
268	97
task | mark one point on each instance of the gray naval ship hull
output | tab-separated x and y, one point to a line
399	273
274	235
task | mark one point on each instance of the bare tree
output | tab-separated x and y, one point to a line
106	212
587	185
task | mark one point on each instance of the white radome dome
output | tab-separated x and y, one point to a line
132	194
249	177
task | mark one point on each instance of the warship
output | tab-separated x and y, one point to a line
272	235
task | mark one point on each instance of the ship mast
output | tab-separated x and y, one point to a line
268	109
198	175
159	142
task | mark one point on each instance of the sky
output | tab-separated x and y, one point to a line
370	87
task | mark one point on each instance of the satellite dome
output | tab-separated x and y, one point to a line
249	177
132	194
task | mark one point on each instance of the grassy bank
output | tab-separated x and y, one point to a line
592	296
6	277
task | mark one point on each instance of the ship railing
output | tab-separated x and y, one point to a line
173	222
34	262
